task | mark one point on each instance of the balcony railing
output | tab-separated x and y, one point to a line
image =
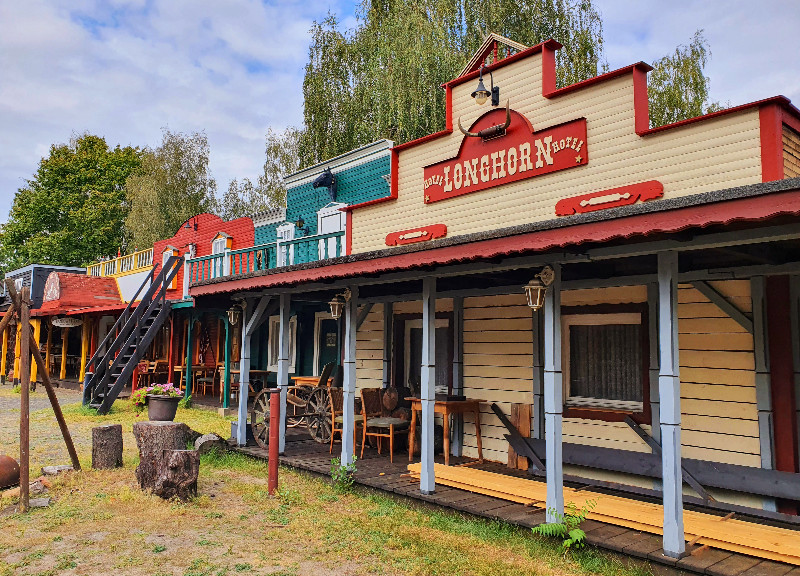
128	264
266	256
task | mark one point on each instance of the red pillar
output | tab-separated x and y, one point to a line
782	377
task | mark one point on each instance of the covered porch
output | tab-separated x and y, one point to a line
698	297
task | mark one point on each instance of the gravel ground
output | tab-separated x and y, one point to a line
9	404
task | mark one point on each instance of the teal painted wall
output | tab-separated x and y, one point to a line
354	185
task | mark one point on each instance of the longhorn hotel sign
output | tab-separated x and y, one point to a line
490	156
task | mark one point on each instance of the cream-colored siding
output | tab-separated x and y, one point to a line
369	350
791	153
718	153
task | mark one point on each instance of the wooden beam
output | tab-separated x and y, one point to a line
670	404
520	446
244	379
48	347
283	362
25	388
36	325
553	388
255	318
457	428
388	332
427	482
763	386
62	373
85	327
724	304
5	353
349	380
363	313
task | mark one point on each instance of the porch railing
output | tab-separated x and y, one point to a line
266	256
122	265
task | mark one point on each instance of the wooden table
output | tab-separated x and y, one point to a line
308	380
446	408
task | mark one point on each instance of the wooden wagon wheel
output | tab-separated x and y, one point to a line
318	412
259	418
297	405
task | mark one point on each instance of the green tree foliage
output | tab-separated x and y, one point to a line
244	198
172	184
677	86
381	79
72	211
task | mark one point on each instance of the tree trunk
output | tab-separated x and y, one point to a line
177	474
153	438
107	446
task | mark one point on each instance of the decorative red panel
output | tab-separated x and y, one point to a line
612	198
416	235
520	153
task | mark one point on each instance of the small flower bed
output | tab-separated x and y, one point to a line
139	398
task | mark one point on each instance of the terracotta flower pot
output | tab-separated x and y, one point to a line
162	408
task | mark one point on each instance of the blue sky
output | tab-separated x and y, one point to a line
123	69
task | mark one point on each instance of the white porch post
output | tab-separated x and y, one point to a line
244	381
283	364
427	482
186	269
670	404
350	330
653	372
553	397
537	412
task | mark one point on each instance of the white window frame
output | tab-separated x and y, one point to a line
218	246
273	342
318	318
284	233
331	209
594	320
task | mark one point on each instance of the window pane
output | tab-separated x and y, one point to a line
606	362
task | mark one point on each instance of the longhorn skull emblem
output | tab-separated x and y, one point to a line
492	131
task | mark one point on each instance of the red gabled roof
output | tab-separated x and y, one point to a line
66	293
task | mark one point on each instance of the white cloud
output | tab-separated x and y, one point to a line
124	69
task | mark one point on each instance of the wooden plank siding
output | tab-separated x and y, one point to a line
718	153
791	153
718	401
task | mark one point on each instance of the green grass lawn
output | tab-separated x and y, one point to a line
101	523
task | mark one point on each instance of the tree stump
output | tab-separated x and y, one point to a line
153	438
177	474
107	446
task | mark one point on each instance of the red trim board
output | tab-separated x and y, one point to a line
622	196
421	234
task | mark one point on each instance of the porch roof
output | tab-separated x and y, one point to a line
756	204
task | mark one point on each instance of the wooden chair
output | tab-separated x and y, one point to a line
377	425
337	416
204	380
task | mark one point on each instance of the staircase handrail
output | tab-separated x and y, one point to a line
122	317
157	283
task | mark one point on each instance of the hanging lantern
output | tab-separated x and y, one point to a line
536	289
234	312
337	305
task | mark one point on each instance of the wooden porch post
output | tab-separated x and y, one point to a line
283	363
427	480
5	352
187	391
388	329
670	404
794	294
244	380
62	374
37	336
48	347
85	327
226	378
553	397
457	430
653	372
349	366
171	353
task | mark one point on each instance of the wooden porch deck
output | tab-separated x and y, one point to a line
375	471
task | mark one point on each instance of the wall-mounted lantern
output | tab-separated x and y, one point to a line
338	302
301	226
536	289
234	313
481	94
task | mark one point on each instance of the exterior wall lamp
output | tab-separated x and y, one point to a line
301	226
191	223
536	289
481	94
234	313
338	302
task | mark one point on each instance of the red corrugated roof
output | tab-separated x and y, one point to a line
718	213
67	293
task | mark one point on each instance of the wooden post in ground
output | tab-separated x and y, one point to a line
24	418
553	398
47	348
62	373
670	404
283	364
85	327
37	335
5	353
427	480
244	380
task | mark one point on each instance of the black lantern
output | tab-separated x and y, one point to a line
481	94
536	289
234	313
301	226
337	305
